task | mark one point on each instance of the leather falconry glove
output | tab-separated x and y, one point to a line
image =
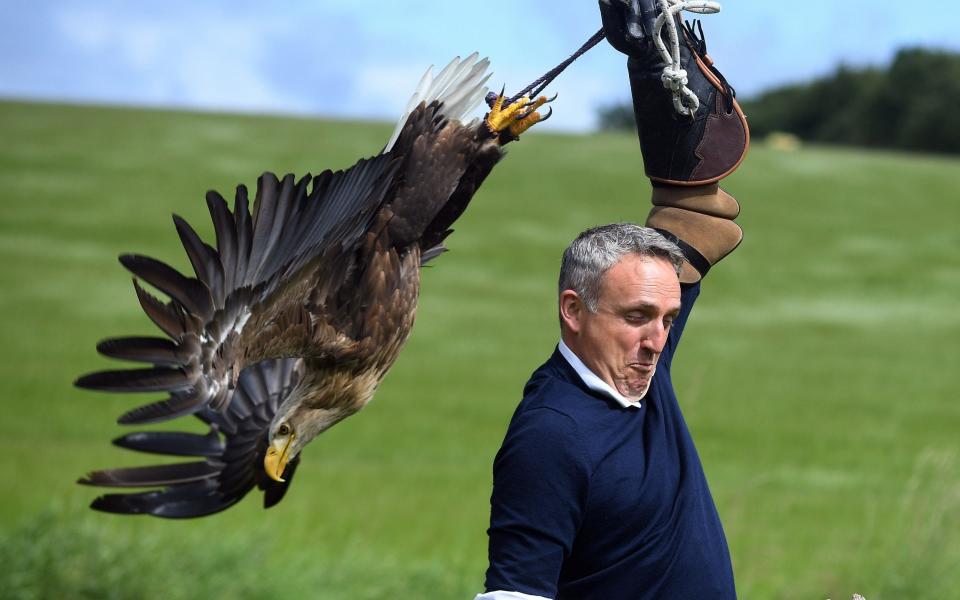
684	155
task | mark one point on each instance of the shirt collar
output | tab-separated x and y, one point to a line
593	382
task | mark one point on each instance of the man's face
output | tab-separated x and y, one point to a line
622	341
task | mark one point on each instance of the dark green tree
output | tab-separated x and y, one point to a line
908	105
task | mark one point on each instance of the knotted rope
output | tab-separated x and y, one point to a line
674	77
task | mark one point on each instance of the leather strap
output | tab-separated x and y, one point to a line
696	260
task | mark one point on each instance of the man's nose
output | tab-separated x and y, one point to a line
655	338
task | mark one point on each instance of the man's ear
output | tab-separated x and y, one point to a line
571	310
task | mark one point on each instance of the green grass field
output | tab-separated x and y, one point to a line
818	373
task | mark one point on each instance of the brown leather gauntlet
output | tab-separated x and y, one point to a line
700	220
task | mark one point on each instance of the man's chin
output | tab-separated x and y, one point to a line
638	387
643	391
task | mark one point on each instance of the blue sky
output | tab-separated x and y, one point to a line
363	59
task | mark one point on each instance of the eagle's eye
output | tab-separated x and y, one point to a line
284	429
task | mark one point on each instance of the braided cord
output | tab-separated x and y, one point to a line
541	82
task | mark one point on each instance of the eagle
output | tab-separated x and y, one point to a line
293	318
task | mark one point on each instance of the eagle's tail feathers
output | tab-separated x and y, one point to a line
459	105
459	87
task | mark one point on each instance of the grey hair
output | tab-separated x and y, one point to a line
597	249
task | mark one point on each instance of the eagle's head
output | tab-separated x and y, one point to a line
318	403
290	431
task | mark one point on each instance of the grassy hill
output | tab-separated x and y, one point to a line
818	373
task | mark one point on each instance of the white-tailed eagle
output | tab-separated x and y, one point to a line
294	317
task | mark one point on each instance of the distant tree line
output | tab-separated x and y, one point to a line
911	105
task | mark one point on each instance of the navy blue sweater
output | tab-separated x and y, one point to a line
594	500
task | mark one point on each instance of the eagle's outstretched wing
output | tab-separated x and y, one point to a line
231	454
249	278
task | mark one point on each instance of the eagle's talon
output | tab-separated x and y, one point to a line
550	99
515	118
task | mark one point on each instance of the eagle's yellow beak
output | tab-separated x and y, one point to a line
278	454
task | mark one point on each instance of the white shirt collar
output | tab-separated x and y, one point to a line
593	382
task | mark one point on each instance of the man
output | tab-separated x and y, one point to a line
598	489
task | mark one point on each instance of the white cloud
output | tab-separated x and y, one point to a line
211	60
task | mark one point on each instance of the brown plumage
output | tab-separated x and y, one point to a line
295	316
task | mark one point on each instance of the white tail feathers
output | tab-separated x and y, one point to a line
459	87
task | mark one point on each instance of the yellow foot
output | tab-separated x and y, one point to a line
517	117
